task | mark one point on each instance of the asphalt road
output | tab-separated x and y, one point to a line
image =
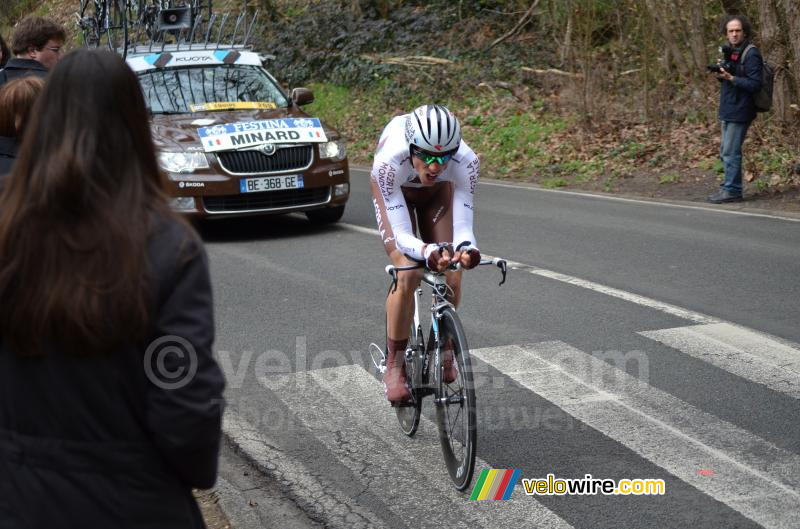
632	340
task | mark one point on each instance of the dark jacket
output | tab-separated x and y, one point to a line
736	97
92	441
8	153
16	68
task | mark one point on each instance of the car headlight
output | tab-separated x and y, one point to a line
182	162
333	150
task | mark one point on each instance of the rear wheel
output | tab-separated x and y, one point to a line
326	215
455	405
408	416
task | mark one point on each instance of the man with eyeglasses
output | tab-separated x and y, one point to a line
423	184
37	46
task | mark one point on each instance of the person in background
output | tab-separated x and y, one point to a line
737	109
37	44
5	53
110	400
16	101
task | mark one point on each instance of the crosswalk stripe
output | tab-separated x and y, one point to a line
315	498
744	353
752	476
344	408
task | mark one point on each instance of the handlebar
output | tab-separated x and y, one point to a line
500	263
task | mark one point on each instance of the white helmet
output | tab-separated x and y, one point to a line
433	128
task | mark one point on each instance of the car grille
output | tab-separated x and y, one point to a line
290	158
267	200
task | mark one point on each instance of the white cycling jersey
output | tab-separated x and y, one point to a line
392	170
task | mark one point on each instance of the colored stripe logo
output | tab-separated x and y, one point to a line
495	484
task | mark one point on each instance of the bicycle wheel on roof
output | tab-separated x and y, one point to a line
104	24
116	26
88	13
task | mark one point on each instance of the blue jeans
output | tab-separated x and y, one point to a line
730	152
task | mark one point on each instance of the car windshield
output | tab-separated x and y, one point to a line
183	90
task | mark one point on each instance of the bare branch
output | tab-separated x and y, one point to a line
522	21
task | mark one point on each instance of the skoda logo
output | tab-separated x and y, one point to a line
267	149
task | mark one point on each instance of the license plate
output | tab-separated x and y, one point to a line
270	183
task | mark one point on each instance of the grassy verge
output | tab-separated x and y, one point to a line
523	141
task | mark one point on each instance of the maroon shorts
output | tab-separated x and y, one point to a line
430	209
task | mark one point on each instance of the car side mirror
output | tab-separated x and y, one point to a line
302	96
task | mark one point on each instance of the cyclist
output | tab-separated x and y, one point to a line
423	183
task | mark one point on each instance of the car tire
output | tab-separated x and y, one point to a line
326	215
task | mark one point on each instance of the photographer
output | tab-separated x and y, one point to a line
739	78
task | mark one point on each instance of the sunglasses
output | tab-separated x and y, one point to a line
429	158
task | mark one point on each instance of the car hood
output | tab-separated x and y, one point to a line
178	132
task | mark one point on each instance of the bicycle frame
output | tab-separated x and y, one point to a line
420	381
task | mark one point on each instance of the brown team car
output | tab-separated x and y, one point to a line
233	143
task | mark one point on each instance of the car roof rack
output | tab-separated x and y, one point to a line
185	38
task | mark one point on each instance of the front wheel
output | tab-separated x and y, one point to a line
455	403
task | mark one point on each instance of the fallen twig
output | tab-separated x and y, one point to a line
553	71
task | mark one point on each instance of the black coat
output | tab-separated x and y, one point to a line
17	68
93	441
736	101
8	153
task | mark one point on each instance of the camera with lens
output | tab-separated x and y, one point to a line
725	62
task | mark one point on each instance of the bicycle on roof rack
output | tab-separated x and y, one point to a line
456	415
119	24
154	19
104	23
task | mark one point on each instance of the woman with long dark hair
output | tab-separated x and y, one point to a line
110	400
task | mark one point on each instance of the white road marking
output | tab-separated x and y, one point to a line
707	208
582	283
344	408
752	476
752	356
651	203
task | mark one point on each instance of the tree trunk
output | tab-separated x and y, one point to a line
791	12
774	52
697	42
659	11
567	45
